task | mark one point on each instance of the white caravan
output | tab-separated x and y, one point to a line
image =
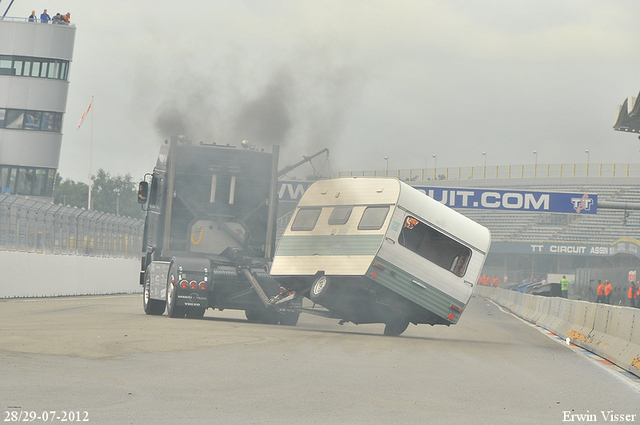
376	250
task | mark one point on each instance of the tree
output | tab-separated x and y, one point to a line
70	193
113	195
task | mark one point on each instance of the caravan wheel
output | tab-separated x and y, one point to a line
396	327
319	288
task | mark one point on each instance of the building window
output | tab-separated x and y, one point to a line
27	180
23	66
31	120
14	119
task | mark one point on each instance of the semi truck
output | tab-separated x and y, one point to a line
376	250
209	232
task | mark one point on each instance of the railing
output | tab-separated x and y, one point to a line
503	172
16	19
30	225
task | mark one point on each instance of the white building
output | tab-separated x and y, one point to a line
34	82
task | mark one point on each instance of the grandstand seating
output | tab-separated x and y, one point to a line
605	227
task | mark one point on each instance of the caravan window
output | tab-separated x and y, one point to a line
435	246
340	215
306	219
373	218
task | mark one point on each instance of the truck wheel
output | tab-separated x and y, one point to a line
319	288
195	313
289	319
172	299
154	307
270	317
253	315
396	327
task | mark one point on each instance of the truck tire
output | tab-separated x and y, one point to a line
153	307
396	327
172	309
195	313
253	315
270	317
289	319
319	288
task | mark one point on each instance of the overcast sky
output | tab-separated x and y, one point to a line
365	78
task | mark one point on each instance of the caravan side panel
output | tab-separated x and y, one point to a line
347	255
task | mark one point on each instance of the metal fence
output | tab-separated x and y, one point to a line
31	225
503	172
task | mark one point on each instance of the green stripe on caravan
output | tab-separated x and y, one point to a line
329	245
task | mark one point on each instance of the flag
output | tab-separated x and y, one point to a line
84	115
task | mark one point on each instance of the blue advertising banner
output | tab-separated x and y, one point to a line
292	190
514	200
486	199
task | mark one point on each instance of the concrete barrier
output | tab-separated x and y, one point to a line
612	332
39	275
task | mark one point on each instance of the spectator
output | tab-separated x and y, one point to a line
632	294
45	18
600	292
607	292
33	17
67	18
564	287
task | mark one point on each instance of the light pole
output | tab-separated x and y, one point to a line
117	191
435	165
386	158
484	170
587	152
535	167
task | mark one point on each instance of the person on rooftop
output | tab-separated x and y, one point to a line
44	17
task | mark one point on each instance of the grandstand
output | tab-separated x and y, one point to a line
526	243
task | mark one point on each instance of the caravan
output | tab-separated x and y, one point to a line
376	250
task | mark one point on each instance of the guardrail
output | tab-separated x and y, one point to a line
17	19
31	225
503	172
610	331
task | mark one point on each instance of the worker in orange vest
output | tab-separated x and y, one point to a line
632	294
600	292
607	291
495	281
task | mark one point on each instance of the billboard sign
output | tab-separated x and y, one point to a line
513	200
486	199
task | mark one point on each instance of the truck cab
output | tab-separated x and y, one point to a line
209	230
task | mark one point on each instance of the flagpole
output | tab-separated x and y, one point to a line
90	157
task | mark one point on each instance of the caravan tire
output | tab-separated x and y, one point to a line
396	327
319	288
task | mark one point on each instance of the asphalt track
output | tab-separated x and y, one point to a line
102	355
